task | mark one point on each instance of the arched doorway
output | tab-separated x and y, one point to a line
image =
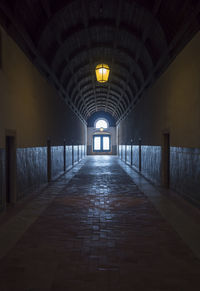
101	134
101	139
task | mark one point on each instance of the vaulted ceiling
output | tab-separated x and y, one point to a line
67	39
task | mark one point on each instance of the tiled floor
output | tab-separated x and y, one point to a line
95	230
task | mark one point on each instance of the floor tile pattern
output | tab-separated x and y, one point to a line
100	232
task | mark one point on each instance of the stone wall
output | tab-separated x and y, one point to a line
76	154
184	167
170	106
31	168
151	162
31	106
135	157
32	111
185	172
111	131
57	160
68	163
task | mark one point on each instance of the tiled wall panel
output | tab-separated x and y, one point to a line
135	157
128	154
79	152
151	162
57	160
114	149
185	171
68	157
184	167
31	168
120	151
83	151
75	154
123	152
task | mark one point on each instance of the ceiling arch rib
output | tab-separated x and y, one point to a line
122	105
100	110
120	108
90	91
116	81
122	60
100	107
110	104
103	97
113	96
137	35
99	103
63	10
132	39
121	74
86	81
120	69
143	71
114	90
81	105
93	107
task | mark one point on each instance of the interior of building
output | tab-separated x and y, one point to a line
99	145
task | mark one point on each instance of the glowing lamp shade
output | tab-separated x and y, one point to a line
102	73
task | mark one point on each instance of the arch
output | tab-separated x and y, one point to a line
64	7
95	106
101	122
85	52
121	69
121	107
123	29
113	93
86	83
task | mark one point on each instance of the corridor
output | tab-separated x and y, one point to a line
97	228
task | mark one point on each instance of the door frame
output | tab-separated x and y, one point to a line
101	141
165	163
11	169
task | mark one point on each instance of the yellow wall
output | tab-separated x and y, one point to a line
172	104
30	105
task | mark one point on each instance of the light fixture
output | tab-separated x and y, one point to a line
101	129
102	73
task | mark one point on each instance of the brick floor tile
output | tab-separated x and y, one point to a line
98	232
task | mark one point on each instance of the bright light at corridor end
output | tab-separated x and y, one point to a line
102	73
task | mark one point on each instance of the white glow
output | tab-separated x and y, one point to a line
106	143
97	143
102	71
101	123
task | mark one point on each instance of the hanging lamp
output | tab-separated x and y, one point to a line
102	73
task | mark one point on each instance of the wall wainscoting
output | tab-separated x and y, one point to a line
57	160
185	171
184	167
68	161
151	162
32	167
